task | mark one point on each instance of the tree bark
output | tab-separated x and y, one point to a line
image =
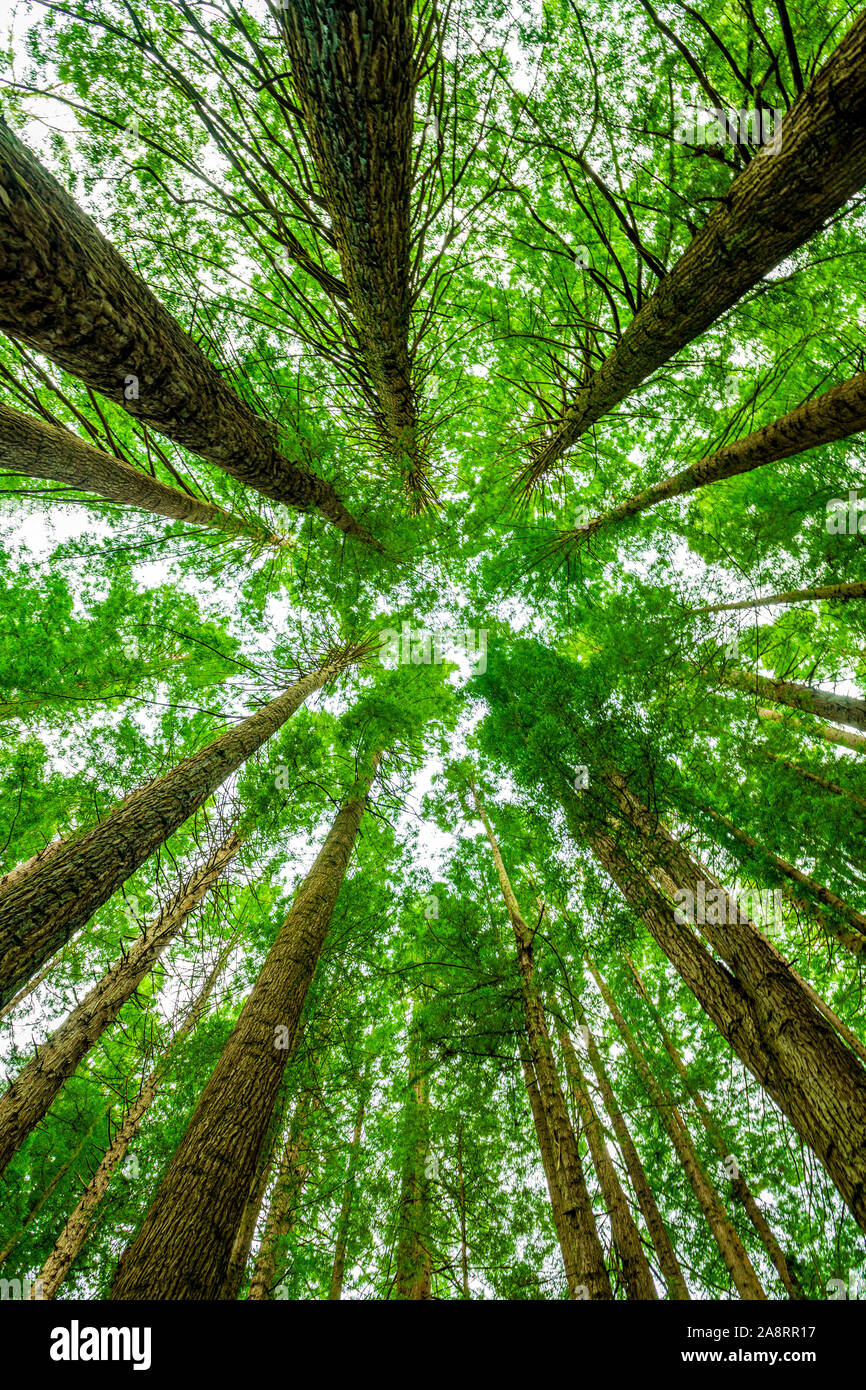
774	205
41	909
823	782
65	291
34	1089
856	742
414	1260
184	1246
283	1210
839	709
833	593
335	1291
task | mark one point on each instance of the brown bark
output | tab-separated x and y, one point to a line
42	909
780	200
338	1271
839	709
833	593
590	1272
283	1210
80	1222
353	71
65	291
668	1262
30	1095
565	1232
856	742
636	1275
184	1246
732	1250
35	448
739	1186
836	414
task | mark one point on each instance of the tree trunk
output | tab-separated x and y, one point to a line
353	70
283	1210
781	199
566	1233
35	448
732	1250
184	1246
839	709
856	742
837	414
668	1262
832	787
636	1275
42	909
414	1261
833	593
68	293
79	1224
32	1092
591	1273
739	1186
335	1292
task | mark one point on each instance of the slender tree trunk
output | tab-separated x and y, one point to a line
464	1256
35	448
414	1261
283	1210
837	414
668	1262
32	1092
856	742
833	593
739	1186
839	709
67	293
184	1246
636	1274
79	1224
40	910
566	1233
335	1292
832	787
358	102
821	164
732	1250
591	1272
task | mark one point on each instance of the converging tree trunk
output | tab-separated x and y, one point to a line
414	1259
338	1271
283	1211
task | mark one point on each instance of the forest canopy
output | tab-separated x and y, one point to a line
433	650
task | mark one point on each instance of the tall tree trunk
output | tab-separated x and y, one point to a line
668	1262
338	1271
837	414
732	1250
856	742
184	1246
68	293
41	909
357	96
566	1233
839	709
755	1000
636	1274
32	1092
823	782
283	1210
833	593
80	1222
35	448
591	1272
414	1260
739	1186
464	1249
781	199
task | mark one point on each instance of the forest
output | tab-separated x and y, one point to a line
432	650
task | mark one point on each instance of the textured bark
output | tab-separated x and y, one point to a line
773	206
853	939
80	1222
732	1250
739	1186
65	291
338	1271
35	448
833	593
590	1271
668	1262
636	1274
565	1233
414	1261
836	414
34	1089
240	1255
283	1210
754	998
42	909
839	709
353	71
184	1246
856	742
